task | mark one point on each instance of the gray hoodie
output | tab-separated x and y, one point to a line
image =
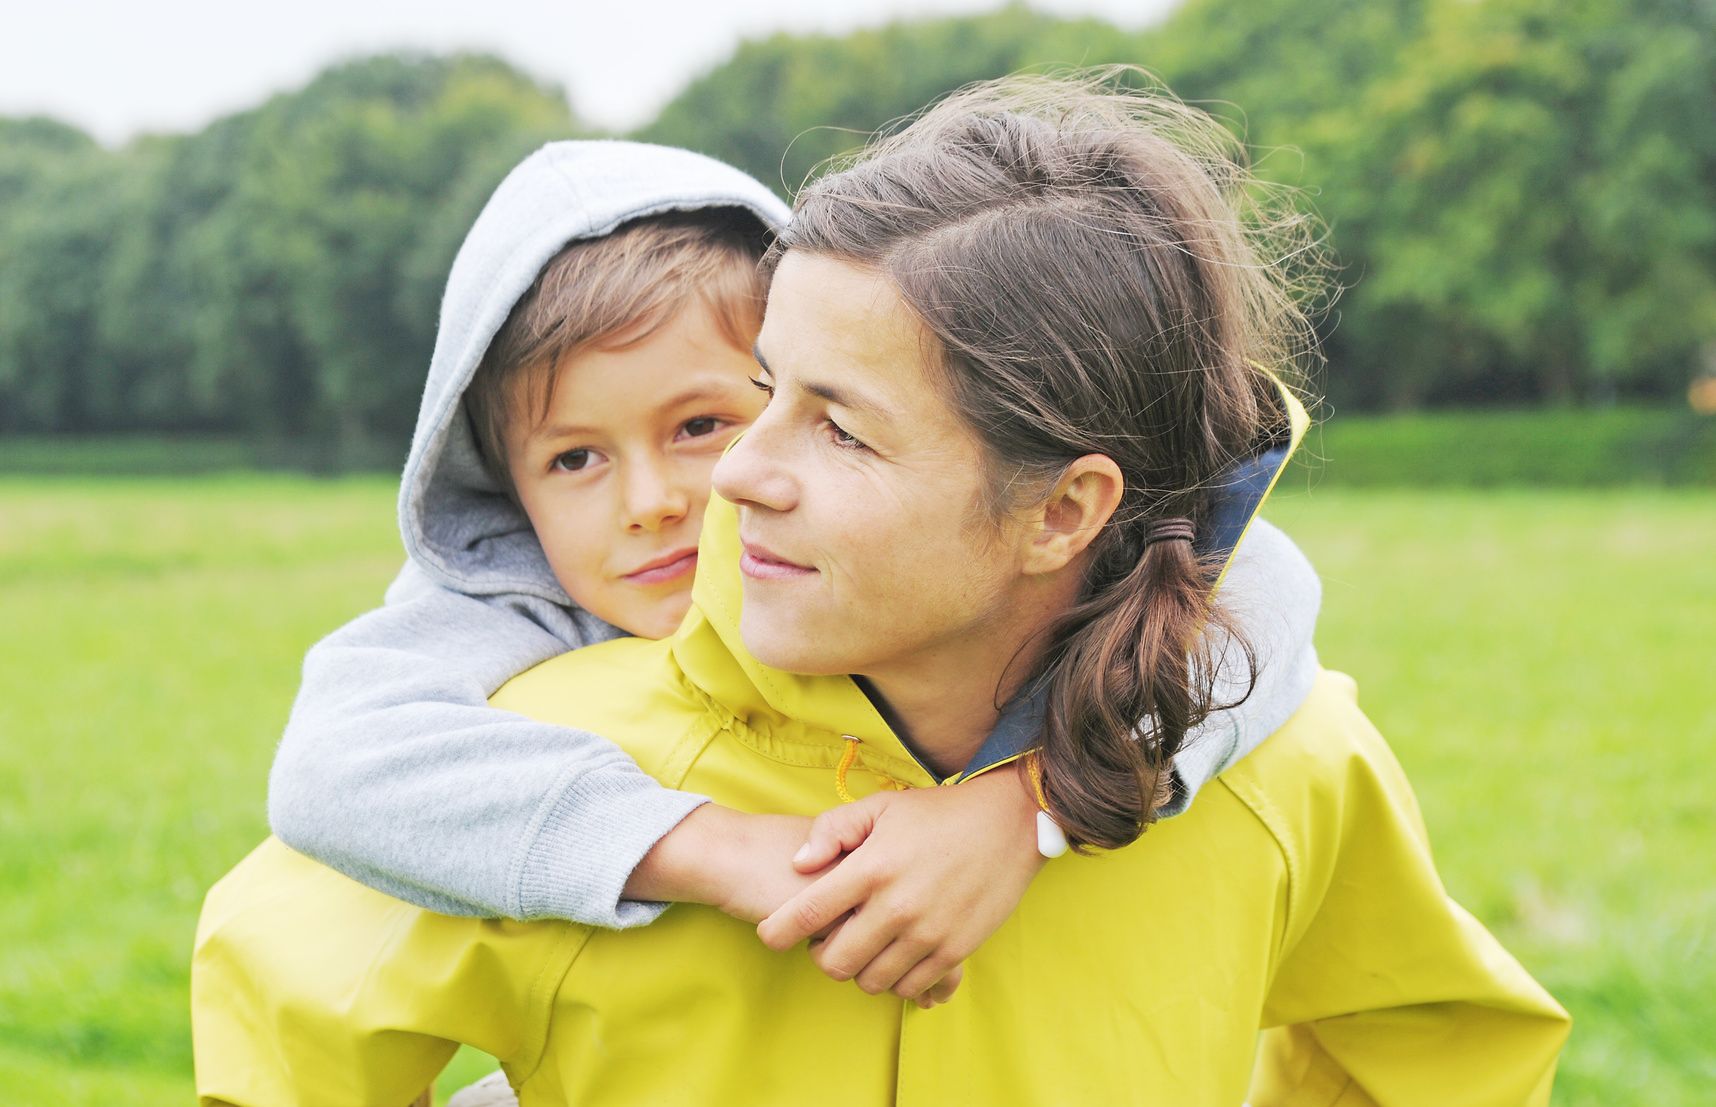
394	769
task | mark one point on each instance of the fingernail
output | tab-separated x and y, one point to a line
803	852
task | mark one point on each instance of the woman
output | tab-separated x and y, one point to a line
1017	424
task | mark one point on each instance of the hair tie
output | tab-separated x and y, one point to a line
1171	529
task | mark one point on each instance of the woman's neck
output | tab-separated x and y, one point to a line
944	702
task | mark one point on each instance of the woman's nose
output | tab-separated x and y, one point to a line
751	472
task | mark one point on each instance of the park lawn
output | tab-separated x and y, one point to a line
1539	660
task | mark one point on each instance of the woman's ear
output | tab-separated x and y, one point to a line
1076	510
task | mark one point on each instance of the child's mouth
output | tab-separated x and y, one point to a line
668	567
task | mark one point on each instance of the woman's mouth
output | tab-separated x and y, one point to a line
759	563
670	566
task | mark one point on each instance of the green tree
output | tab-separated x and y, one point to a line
337	189
782	105
1527	204
59	213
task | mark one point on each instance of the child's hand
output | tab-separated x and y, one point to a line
758	875
739	863
927	876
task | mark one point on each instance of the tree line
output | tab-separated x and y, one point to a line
1521	195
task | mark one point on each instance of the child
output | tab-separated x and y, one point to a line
592	362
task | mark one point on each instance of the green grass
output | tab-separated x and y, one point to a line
1540	660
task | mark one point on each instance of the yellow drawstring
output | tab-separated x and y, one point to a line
1034	767
846	760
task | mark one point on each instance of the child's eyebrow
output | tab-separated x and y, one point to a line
697	393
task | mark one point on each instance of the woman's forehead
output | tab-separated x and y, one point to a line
824	310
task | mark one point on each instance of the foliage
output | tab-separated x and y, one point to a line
277	273
785	104
1564	448
1522	194
1529	204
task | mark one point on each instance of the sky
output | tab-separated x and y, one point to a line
120	67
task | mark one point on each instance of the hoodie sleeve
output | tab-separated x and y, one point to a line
395	771
1273	591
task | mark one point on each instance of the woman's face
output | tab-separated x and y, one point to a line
858	490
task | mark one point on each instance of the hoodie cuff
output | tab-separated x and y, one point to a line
1211	751
1195	764
589	838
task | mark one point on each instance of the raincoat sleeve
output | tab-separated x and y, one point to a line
1387	992
395	770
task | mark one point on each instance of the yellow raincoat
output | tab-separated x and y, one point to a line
1298	893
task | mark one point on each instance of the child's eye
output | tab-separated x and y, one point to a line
703	425
763	386
573	460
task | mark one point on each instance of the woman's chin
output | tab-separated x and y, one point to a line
786	644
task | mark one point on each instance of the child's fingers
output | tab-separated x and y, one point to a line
836	831
815	908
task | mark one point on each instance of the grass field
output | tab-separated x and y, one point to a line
1541	662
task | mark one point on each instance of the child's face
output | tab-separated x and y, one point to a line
616	477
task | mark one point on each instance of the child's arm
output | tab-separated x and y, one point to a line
936	871
1275	594
395	771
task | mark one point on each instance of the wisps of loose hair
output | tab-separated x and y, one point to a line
1097	271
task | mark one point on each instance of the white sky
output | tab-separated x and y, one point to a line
117	67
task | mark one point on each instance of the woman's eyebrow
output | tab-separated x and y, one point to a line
832	393
852	401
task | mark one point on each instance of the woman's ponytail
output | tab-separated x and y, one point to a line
1129	676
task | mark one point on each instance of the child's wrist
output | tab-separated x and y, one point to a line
687	863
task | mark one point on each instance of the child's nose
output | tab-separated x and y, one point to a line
655	499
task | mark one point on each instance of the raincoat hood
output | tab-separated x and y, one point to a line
459	526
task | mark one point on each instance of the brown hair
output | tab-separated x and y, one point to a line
1101	274
611	292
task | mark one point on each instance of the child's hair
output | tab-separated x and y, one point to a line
1100	274
610	292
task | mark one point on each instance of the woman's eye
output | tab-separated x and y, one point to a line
763	386
572	460
842	439
697	428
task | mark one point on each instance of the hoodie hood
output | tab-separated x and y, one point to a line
459	526
711	651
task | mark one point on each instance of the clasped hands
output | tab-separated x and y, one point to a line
893	891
